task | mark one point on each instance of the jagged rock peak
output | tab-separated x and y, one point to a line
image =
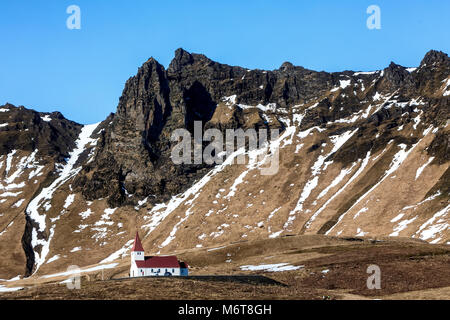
286	66
434	56
396	74
393	66
183	58
394	70
152	60
150	64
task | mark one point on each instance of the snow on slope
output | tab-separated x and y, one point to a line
337	141
6	289
398	159
68	171
187	205
434	225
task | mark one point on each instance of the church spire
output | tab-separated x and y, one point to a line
137	246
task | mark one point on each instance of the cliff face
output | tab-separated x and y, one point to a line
135	149
361	153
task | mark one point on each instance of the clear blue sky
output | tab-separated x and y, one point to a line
47	67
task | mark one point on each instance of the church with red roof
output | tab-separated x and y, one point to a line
142	266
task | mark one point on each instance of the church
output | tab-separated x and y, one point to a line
143	266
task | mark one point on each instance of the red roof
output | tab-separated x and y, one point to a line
137	244
159	262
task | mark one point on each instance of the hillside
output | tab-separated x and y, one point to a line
297	267
361	154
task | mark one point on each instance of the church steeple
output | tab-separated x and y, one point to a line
137	252
137	243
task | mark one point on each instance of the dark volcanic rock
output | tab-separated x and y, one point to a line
134	154
397	76
133	157
435	57
26	129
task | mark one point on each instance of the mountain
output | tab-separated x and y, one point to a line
361	154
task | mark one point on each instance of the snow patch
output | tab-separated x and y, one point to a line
420	170
271	267
69	200
434	225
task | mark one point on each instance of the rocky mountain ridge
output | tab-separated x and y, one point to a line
361	154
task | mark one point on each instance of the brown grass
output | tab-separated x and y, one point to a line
409	270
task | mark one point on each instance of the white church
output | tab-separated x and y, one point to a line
142	266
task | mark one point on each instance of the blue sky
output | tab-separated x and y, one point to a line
81	73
